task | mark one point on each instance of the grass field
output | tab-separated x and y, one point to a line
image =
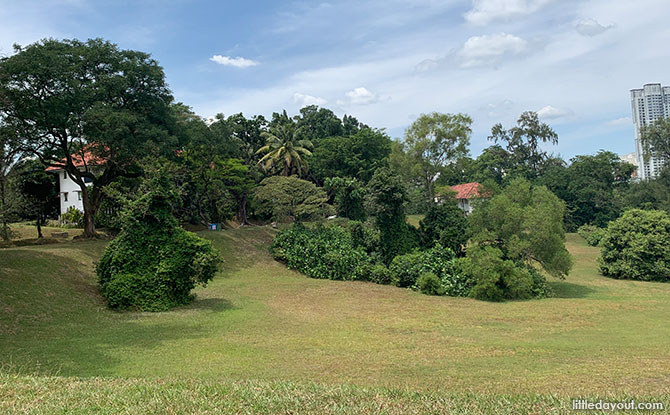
269	339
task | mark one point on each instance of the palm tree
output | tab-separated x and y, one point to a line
284	145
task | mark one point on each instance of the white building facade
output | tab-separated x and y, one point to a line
69	192
649	103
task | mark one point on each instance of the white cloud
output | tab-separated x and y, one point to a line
484	12
549	113
304	100
591	27
237	62
619	122
498	109
489	49
360	96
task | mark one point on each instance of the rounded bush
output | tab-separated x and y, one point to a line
154	264
429	283
637	246
406	269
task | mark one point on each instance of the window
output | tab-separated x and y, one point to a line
78	195
65	196
64	175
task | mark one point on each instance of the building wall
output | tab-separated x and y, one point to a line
67	186
648	104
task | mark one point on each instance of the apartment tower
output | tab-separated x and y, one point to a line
649	103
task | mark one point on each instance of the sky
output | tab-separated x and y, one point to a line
388	61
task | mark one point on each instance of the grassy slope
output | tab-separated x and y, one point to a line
260	321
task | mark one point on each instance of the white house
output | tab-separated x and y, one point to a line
69	190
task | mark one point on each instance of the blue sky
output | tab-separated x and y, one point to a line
387	61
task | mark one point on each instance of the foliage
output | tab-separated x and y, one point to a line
637	246
406	270
650	194
284	149
432	142
524	157
590	188
526	224
591	234
349	196
154	264
428	283
357	155
88	98
656	138
35	193
364	235
291	198
323	252
73	217
386	198
380	274
446	224
495	278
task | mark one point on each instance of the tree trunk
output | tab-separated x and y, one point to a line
89	213
4	232
39	224
242	210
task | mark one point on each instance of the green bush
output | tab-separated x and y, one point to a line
323	252
637	246
406	270
429	283
445	224
497	279
73	217
379	274
364	235
592	234
154	264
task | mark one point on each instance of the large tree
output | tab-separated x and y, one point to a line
432	142
524	144
70	103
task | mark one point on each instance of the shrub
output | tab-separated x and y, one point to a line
323	252
405	269
592	234
496	279
428	283
73	217
291	198
363	235
154	264
379	274
637	246
445	224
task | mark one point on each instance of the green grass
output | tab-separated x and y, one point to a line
262	332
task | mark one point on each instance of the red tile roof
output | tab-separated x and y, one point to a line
89	159
467	190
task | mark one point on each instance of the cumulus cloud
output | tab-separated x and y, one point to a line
304	100
360	96
237	62
489	49
550	113
484	12
591	27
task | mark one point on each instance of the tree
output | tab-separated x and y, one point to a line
446	224
650	194
357	155
8	159
386	201
656	138
349	196
637	246
71	102
523	143
39	191
291	198
525	223
284	147
315	123
589	186
433	141
153	264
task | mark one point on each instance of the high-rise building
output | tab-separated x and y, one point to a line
650	103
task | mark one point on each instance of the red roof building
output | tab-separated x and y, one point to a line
88	159
465	194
